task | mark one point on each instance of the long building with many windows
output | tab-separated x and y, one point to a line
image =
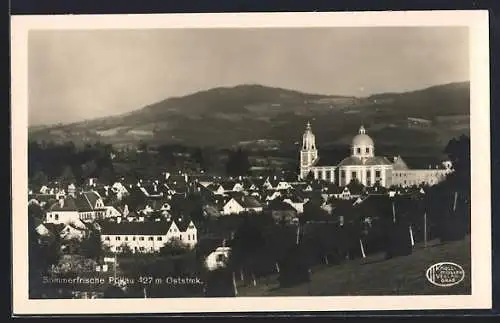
364	166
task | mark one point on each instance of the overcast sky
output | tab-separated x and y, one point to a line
76	75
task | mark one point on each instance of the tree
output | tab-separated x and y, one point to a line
310	176
107	176
238	163
67	177
173	248
199	158
458	150
39	179
247	246
91	247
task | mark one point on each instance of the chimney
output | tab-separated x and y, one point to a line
61	202
119	219
91	181
155	187
186	178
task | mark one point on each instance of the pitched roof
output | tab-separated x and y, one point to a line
377	160
143	228
247	201
326	160
422	162
136	228
278	205
64	205
229	185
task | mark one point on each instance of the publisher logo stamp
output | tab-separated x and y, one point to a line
445	274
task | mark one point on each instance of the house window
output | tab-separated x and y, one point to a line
126	238
117	238
367	150
358	150
353	175
189	237
158	238
141	248
368	174
133	238
194	236
106	238
141	238
328	174
342	173
151	238
377	173
56	217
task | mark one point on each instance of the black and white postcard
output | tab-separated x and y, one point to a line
198	163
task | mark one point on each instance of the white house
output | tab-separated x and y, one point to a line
296	204
283	186
120	190
217	189
343	194
87	206
241	204
147	237
111	212
232	187
64	211
73	231
218	258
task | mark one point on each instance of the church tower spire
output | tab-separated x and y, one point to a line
308	153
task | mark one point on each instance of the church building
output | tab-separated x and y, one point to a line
364	166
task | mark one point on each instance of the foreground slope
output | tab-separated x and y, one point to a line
375	276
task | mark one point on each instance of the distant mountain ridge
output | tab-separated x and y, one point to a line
226	116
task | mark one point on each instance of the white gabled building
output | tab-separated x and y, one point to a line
241	204
87	206
147	237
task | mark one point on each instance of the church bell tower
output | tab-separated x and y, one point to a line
308	153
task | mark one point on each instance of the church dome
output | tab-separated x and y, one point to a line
362	139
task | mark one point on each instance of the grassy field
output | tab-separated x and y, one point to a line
376	276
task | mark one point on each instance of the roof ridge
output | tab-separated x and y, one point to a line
88	200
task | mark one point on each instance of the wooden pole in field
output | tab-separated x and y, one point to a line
455	201
393	213
298	234
362	248
411	237
234	284
425	229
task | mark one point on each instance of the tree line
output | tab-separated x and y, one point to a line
68	163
